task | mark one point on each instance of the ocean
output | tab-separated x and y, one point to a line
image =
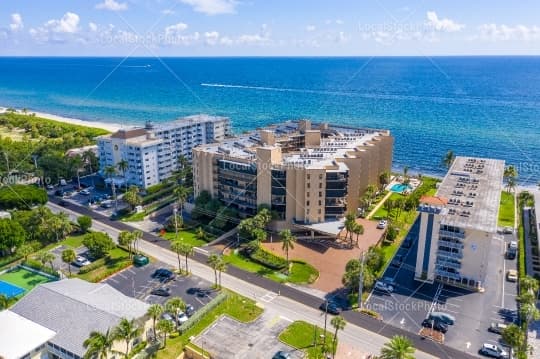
477	106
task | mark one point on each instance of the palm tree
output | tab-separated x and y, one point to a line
181	193
350	222
137	236
123	166
339	324
154	312
358	230
77	164
98	345
176	247
399	347
287	242
389	206
200	233
384	179
186	250
529	283
132	197
221	266
175	305
448	159
4	302
110	171
126	239
510	176
127	330
212	262
166	327
46	257
68	256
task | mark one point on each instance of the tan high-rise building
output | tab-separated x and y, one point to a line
307	173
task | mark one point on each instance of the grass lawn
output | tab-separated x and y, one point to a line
506	210
118	259
238	260
24	278
300	335
302	273
187	236
382	213
235	306
134	217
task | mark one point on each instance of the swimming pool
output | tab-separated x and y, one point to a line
10	290
400	187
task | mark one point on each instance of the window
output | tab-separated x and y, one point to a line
319	211
307	195
307	203
320	176
308	185
308	176
320	203
320	184
320	194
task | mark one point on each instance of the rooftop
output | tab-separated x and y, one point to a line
20	336
127	134
473	188
93	306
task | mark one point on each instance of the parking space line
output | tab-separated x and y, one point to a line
112	280
453	298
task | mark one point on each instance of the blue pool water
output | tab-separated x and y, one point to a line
10	290
399	187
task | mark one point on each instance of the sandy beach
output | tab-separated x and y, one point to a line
112	127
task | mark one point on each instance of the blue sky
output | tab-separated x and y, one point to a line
268	27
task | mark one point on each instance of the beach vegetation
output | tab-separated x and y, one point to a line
19	196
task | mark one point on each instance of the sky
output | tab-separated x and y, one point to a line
268	28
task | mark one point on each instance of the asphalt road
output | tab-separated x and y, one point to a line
370	324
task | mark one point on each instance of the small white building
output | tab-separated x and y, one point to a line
22	338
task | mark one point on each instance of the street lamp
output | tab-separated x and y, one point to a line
175	211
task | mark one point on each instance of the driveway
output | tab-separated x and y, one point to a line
227	338
58	263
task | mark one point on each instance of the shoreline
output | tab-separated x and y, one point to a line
111	127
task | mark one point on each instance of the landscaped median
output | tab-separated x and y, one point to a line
234	305
308	338
506	210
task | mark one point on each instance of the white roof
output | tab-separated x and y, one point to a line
19	336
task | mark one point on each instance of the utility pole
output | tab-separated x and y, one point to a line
361	281
325	317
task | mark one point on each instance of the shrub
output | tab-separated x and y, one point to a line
370	312
31	263
98	244
84	222
268	259
92	266
21	196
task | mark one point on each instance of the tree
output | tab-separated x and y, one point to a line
287	242
221	266
110	172
358	229
399	347
351	277
69	256
339	324
388	206
186	250
12	235
123	166
60	225
4	302
126	239
137	236
175	305
46	257
528	283
98	244
384	179
166	327
176	247
212	262
510	176
20	196
448	159
350	222
76	164
132	197
25	250
154	311
98	345
181	193
200	233
127	330
515	337
84	222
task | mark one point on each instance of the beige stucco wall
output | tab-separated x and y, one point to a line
474	264
422	245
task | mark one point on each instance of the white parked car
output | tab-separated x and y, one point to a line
382	224
81	261
85	192
492	350
182	317
383	287
513	245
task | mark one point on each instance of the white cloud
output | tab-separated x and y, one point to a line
112	5
445	25
227	41
341	38
503	32
175	30
211	38
311	28
212	7
167	12
339	22
69	23
16	22
92	26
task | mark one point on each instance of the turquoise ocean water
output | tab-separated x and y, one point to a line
483	106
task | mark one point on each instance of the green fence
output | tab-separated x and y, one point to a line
195	318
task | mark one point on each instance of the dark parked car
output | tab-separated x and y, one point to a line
398	260
281	355
163	274
192	291
331	308
190	310
64	203
162	292
59	193
435	324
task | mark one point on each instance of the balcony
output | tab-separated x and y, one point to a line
443	273
448	254
460	235
451	244
448	264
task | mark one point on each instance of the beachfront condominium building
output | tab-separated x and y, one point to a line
307	173
459	223
152	153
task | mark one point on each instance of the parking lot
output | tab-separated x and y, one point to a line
137	282
228	338
412	301
59	264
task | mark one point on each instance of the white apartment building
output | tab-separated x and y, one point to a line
152	152
458	224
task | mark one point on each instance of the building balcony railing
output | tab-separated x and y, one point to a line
447	254
443	273
451	244
460	235
448	264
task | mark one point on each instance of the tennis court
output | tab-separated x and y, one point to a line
19	280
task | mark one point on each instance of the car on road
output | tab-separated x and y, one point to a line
330	307
161	292
59	193
63	203
106	204
512	275
163	274
493	351
85	192
508	230
435	324
383	287
382	224
443	317
81	261
398	261
281	355
182	318
497	328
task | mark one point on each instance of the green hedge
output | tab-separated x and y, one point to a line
158	187
6	261
40	267
198	315
268	259
92	266
157	195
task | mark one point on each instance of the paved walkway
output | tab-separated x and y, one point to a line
381	202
